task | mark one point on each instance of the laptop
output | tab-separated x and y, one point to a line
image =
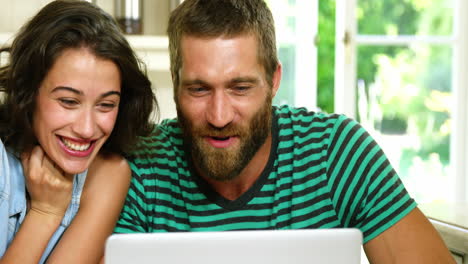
325	246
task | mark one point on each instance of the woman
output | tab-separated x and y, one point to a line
75	100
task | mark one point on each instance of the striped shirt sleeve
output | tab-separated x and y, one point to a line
134	213
366	191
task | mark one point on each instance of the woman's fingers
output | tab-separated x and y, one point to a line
32	161
55	172
50	190
38	166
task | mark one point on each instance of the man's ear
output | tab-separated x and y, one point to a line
276	80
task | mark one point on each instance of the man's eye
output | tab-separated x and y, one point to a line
197	90
241	89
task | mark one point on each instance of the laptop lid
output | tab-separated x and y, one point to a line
325	246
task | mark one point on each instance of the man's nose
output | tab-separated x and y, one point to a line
220	112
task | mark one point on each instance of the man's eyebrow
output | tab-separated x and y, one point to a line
231	81
78	92
192	82
244	80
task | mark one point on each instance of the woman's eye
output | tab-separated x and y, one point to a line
68	102
107	106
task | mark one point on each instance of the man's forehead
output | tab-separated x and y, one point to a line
209	37
220	46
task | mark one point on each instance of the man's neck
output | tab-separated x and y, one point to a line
234	188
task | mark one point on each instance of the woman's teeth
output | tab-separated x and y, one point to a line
76	147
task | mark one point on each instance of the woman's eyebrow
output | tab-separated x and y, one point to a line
78	92
110	93
66	88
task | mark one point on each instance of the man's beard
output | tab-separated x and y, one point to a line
224	164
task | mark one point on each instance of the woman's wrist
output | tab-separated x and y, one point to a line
52	219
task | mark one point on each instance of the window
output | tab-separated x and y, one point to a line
401	71
296	28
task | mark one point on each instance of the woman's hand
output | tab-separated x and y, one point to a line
50	193
49	188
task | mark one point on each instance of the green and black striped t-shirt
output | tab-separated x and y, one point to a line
324	171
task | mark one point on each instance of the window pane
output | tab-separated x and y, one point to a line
287	56
285	25
295	22
411	17
404	98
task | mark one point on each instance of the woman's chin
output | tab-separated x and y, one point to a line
73	168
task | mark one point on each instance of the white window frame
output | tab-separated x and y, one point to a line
306	57
459	143
347	40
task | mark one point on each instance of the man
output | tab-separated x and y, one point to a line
232	161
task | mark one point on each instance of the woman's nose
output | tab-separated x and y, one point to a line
85	124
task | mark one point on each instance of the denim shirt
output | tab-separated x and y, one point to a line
13	202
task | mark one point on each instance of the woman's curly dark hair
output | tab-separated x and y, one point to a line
62	25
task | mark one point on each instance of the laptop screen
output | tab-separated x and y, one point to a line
325	246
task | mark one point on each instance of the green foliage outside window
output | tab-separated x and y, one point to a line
413	83
326	56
